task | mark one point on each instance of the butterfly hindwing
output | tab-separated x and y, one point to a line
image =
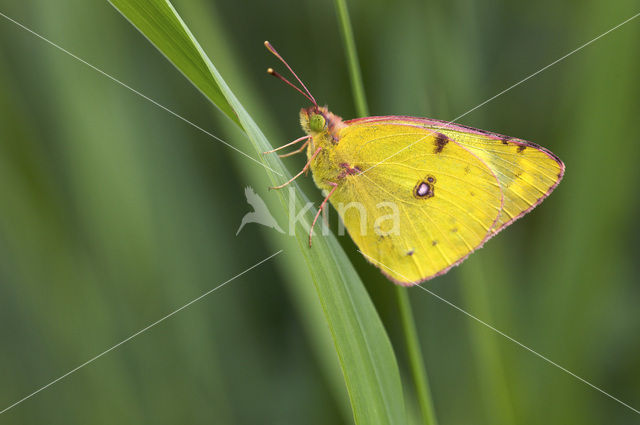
475	183
440	200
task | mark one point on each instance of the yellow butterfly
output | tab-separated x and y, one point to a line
419	195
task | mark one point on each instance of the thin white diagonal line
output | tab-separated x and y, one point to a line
137	333
137	92
509	88
509	338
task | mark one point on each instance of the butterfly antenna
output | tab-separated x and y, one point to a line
270	71
275	74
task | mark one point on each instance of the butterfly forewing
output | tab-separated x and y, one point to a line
527	172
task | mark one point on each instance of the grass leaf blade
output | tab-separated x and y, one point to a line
366	357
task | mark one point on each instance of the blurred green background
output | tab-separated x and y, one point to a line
113	213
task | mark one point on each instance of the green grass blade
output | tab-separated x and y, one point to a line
352	58
366	357
416	359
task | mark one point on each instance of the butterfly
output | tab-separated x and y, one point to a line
418	195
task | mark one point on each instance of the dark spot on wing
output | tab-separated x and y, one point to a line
521	148
467	169
440	142
472	194
454	230
424	188
348	170
410	252
491	134
505	140
434	243
475	129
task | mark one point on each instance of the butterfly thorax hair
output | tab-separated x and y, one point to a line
324	127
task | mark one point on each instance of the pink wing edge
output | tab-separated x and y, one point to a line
413	121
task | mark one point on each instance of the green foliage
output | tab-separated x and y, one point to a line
357	86
364	350
114	213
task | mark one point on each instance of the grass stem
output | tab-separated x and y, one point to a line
416	360
352	58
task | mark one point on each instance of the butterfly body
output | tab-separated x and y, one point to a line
417	195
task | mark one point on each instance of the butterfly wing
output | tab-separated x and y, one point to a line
527	172
482	182
421	211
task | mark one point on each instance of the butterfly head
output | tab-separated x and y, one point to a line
320	123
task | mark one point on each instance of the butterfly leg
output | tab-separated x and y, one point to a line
306	167
289	144
335	186
303	147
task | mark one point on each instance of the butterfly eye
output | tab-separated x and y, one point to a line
316	123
